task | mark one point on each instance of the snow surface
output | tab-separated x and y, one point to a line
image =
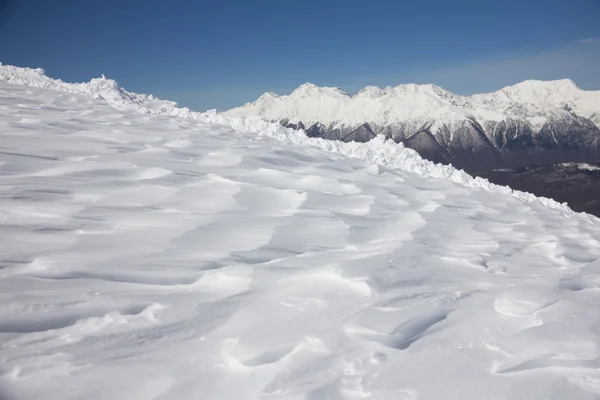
185	256
535	101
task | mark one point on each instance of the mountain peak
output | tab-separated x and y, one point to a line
371	91
306	86
312	89
407	88
268	95
427	88
414	87
534	85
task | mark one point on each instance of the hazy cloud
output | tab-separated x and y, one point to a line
589	41
579	61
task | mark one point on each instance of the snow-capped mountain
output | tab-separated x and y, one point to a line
548	121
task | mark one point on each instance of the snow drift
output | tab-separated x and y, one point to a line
153	253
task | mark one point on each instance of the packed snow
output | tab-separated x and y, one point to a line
534	101
150	252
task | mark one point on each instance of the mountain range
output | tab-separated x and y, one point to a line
532	122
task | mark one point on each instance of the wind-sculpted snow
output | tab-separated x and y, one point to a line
99	88
379	151
152	257
148	256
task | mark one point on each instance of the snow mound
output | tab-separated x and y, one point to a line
379	151
98	88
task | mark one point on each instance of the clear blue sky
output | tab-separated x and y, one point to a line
219	54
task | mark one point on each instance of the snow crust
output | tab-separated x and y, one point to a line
379	151
153	253
534	101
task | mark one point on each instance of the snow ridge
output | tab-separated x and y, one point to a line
378	151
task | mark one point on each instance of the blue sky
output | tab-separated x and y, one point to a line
220	54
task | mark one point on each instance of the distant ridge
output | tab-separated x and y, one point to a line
546	121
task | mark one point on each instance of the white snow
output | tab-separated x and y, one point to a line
589	167
149	252
583	166
543	98
536	101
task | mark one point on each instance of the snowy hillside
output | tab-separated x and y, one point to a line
154	253
379	151
533	122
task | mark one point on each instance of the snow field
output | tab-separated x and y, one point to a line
157	257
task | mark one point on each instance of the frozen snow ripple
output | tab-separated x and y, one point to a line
149	256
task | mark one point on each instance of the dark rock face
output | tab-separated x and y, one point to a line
511	135
475	147
316	130
470	147
298	126
428	147
362	134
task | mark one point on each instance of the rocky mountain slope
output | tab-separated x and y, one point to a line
533	122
